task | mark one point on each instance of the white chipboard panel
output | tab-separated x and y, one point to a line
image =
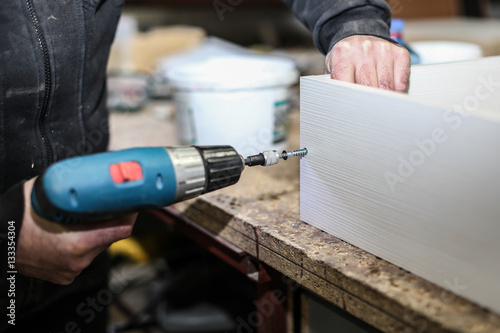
413	179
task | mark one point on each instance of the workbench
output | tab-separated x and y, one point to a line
255	226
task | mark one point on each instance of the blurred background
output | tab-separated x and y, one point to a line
154	34
165	281
271	23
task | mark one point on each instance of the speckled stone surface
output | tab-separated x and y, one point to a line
260	215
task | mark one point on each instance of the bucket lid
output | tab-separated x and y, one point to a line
434	52
234	72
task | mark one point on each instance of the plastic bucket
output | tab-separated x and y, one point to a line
240	100
435	52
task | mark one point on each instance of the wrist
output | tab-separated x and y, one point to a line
11	219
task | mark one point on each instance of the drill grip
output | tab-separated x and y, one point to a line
105	185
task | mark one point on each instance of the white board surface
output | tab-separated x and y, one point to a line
413	179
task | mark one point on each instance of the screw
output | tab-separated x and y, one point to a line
287	154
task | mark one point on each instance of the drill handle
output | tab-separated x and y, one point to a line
104	185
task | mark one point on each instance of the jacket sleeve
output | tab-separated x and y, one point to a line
332	20
11	218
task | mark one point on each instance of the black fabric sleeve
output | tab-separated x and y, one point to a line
11	219
333	20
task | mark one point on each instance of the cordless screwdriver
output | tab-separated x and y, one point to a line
105	185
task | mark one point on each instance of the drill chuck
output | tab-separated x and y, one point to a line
200	170
223	166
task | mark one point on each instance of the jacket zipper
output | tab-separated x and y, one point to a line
48	81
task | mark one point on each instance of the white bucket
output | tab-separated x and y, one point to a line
237	100
436	52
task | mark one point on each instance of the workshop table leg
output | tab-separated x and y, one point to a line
270	315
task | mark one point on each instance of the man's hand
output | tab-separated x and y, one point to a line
57	253
370	61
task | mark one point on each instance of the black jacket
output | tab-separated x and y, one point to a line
53	58
333	20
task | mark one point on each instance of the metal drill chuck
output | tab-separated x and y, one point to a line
203	169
